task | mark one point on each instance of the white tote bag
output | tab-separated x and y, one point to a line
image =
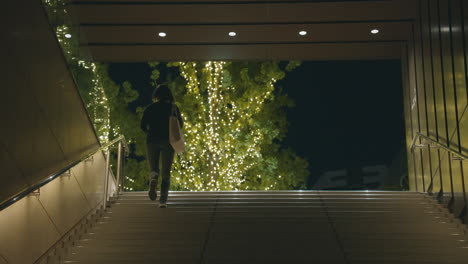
176	135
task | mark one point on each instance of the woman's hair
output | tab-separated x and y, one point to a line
163	93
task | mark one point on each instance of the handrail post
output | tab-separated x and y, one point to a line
122	177
119	167
106	180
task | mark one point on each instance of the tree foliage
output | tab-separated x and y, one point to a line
85	72
234	121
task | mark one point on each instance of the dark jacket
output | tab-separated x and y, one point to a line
155	121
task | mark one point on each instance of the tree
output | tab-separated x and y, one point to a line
234	120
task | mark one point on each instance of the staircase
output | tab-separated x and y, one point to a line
275	227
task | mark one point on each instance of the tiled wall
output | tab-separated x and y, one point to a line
436	99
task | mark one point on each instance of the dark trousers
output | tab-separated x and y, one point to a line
161	151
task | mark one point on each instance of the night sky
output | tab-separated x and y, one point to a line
347	113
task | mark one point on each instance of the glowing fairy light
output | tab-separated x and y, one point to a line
214	159
97	105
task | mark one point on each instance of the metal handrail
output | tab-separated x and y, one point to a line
120	140
461	156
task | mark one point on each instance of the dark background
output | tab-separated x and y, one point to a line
348	114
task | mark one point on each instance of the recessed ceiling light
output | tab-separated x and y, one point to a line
302	33
68	35
162	34
374	31
232	33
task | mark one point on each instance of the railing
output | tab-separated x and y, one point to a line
454	155
459	156
122	149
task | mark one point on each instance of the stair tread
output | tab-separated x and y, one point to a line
276	227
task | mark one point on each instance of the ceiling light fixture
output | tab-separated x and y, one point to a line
302	33
374	31
68	35
162	34
232	34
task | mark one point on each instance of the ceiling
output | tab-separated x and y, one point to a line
127	31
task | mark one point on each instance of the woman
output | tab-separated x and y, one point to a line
155	123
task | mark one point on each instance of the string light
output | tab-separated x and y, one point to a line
97	103
220	150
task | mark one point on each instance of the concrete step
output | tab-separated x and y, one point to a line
275	227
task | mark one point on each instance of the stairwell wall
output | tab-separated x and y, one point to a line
32	225
435	64
44	127
44	122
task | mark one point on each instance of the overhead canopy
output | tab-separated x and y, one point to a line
127	31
